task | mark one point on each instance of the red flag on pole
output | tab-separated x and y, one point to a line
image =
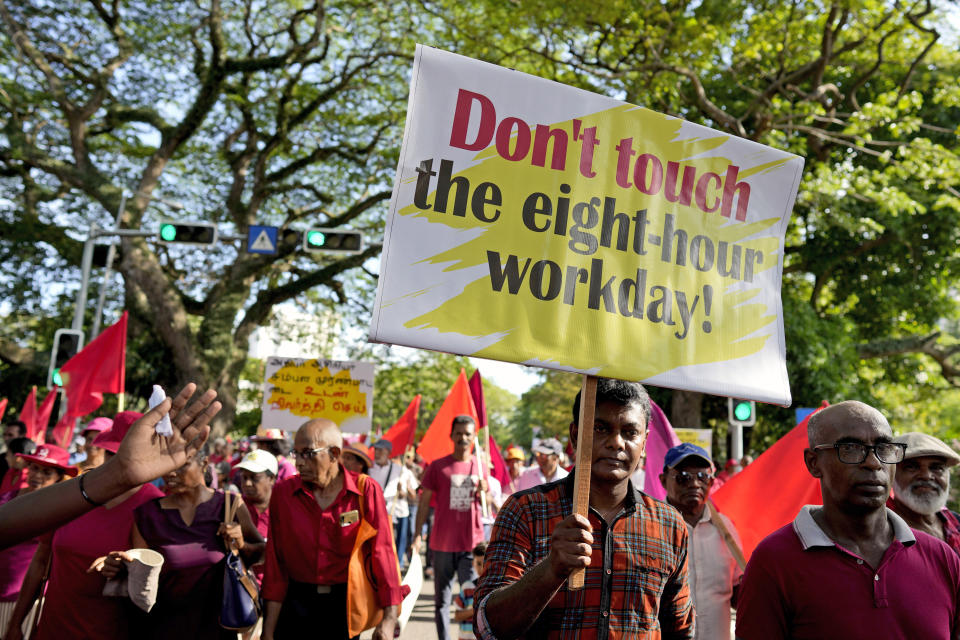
476	392
401	434
43	414
770	491
99	368
3	407
436	441
28	414
63	430
500	471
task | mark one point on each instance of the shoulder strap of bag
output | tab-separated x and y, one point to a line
725	533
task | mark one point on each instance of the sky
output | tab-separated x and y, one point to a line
514	378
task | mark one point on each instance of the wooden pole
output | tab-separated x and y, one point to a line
581	489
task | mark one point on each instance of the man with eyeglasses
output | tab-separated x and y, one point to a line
314	520
634	548
688	474
921	487
852	568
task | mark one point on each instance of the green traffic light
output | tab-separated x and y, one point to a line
168	232
57	379
316	238
742	411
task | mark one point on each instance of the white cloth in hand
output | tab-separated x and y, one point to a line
163	428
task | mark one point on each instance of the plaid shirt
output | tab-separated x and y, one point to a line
636	585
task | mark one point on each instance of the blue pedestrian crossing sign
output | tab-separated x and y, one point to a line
262	240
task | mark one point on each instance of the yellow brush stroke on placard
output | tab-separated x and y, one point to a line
597	340
305	391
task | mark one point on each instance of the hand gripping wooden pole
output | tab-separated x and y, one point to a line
581	489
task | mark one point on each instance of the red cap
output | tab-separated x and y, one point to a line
111	438
50	455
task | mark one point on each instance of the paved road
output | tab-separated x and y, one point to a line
421	625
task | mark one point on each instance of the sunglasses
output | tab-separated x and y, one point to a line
685	477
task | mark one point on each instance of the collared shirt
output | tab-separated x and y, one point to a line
391	477
313	545
800	584
713	572
636	584
534	476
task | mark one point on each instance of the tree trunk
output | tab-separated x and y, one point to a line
685	407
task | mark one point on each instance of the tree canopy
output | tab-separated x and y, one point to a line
285	113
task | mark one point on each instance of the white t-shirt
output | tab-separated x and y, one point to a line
392	477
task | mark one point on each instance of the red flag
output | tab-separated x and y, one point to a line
500	471
436	442
43	415
63	431
28	414
401	434
771	490
99	368
3	407
476	392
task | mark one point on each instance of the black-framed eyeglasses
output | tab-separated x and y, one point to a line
303	454
685	477
856	452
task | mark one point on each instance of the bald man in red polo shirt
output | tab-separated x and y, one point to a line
314	518
852	568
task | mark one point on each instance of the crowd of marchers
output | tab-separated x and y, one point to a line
877	559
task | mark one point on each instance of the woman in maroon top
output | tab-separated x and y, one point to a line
18	575
187	527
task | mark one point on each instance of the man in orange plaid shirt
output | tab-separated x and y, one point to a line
634	548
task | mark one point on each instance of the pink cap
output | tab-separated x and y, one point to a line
111	438
98	424
50	455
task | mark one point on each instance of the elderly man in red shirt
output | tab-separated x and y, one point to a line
314	519
852	568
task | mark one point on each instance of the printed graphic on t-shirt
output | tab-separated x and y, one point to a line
461	492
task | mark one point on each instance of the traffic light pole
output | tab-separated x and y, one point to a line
736	441
86	265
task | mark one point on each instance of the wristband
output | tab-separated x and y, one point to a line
86	496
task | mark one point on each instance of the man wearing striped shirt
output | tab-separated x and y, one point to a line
634	548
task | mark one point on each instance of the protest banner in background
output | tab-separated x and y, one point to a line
537	223
703	438
296	390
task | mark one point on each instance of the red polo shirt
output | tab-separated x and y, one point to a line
309	544
799	584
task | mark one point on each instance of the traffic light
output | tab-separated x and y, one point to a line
289	239
336	240
66	344
188	232
742	411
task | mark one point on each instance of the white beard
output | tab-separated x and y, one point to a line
925	505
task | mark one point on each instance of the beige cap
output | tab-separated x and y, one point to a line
920	445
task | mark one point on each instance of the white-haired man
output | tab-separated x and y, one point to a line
921	487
